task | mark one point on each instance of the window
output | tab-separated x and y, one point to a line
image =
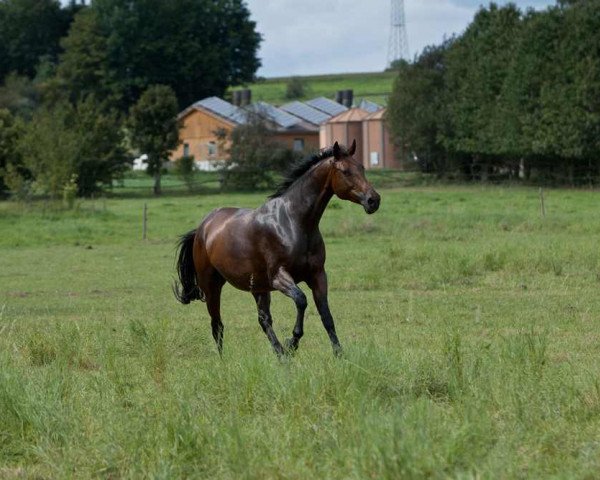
186	149
212	149
374	158
298	144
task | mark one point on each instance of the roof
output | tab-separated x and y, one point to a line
369	106
325	105
353	115
306	112
276	115
223	109
378	115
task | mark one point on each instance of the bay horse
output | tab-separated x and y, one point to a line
275	246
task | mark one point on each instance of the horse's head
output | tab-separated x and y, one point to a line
348	179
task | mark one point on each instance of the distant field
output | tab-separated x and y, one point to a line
470	326
374	86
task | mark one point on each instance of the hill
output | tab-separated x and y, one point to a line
374	86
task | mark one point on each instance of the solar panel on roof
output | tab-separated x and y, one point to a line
223	108
369	106
280	117
306	112
328	106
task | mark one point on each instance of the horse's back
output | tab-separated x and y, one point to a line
233	242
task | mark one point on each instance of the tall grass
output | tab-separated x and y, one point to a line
469	324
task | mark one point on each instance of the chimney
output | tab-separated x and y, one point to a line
237	97
348	98
245	97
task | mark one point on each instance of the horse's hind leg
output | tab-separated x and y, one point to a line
263	303
211	282
213	304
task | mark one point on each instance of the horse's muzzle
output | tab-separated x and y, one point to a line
371	202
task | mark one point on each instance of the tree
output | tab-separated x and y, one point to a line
255	156
49	147
295	88
101	156
20	95
65	142
154	128
84	67
416	110
10	130
29	31
197	47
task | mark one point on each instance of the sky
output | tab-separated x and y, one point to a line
307	37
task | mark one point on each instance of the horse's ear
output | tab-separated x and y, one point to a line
337	153
352	148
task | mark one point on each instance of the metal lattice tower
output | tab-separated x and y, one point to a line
398	46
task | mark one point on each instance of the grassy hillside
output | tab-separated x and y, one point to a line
470	326
375	86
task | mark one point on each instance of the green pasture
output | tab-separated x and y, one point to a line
374	86
470	324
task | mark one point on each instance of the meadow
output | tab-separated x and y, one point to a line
374	86
469	322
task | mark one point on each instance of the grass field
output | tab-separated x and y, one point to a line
374	86
470	326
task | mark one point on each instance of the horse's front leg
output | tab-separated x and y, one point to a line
318	285
284	282
263	303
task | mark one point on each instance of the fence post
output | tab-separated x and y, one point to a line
145	221
542	206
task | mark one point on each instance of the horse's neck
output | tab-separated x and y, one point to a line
309	196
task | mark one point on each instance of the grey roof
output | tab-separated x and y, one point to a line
306	112
328	106
278	116
223	109
369	106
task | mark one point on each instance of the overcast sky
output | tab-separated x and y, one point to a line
304	37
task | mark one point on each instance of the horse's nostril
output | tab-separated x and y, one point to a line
371	201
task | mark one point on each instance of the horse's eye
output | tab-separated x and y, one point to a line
346	173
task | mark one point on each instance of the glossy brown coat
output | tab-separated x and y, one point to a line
275	246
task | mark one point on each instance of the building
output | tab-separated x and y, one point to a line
344	128
207	125
301	126
378	149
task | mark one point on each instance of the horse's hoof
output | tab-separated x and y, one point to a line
337	351
291	345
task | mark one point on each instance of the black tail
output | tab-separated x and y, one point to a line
187	289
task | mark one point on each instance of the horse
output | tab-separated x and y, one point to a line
274	247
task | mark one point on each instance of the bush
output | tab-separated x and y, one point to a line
185	168
255	158
295	88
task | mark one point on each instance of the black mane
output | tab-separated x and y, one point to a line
300	168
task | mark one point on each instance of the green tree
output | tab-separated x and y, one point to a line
476	73
10	130
416	110
198	47
84	67
154	128
29	31
101	156
20	95
255	157
49	147
65	142
295	88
